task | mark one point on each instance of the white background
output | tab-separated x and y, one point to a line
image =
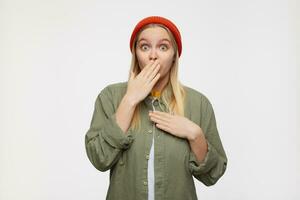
56	56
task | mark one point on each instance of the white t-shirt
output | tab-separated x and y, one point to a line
151	172
151	180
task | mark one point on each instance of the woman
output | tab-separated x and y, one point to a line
153	133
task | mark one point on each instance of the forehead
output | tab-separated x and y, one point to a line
154	34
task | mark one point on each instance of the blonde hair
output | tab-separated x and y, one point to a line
173	94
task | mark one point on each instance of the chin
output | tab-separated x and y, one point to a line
162	75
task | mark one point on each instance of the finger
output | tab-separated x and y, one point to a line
148	68
161	118
154	72
163	127
154	80
155	120
164	114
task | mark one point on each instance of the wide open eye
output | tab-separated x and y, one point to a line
165	47
144	47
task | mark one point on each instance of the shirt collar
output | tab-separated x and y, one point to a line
149	97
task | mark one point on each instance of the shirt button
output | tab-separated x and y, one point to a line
145	182
147	157
150	131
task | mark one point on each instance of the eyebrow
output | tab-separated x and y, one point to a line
164	39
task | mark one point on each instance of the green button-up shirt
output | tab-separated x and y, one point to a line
126	155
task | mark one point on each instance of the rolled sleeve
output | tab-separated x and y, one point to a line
114	135
214	163
210	159
105	140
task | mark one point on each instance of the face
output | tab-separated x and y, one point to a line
155	43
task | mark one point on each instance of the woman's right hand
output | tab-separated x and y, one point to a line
140	86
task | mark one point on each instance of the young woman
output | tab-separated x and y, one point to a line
153	133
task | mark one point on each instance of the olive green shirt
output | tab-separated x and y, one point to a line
126	154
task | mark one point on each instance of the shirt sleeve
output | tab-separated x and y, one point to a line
214	164
105	140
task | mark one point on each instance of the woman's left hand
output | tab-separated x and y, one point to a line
175	124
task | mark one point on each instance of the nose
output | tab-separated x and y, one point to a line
153	55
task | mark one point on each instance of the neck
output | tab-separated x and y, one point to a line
161	84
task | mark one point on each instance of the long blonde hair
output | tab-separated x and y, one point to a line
173	94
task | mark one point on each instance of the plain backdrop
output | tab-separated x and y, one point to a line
56	56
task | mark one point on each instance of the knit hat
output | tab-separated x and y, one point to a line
160	20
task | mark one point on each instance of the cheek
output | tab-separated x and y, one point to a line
141	59
164	69
167	63
168	58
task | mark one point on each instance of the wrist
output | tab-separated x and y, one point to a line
129	100
195	135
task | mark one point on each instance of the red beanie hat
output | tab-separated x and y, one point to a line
160	20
